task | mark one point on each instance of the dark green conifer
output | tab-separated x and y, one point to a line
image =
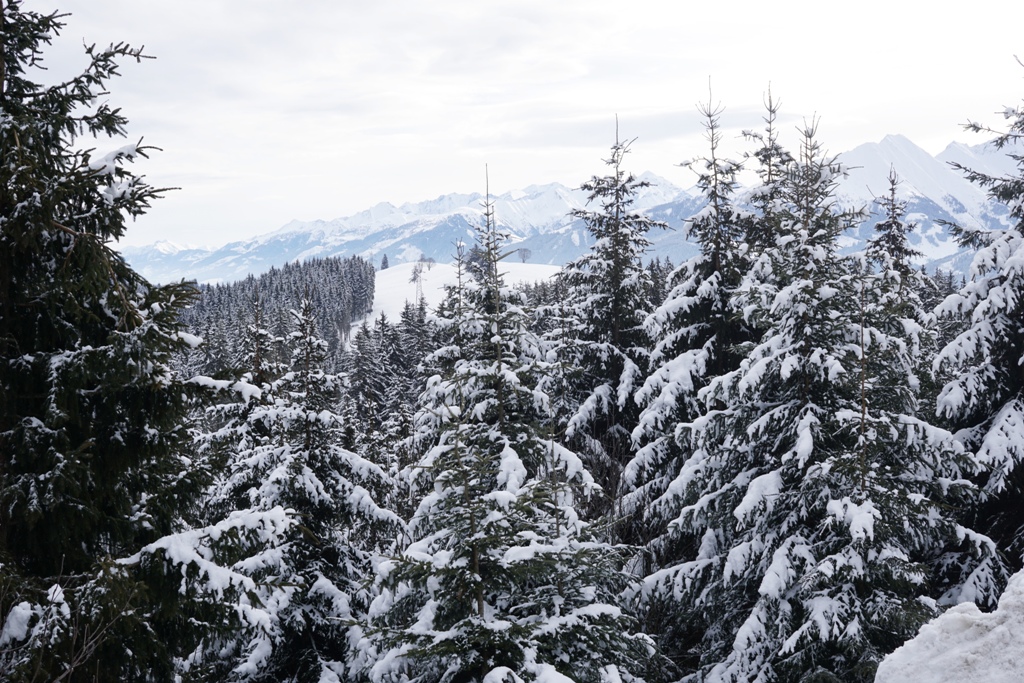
601	334
501	580
91	417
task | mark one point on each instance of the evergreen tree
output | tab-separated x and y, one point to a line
948	325
259	350
773	159
92	462
889	249
816	500
502	580
298	530
411	342
984	396
415	342
659	272
367	387
906	294
898	344
382	378
602	333
694	331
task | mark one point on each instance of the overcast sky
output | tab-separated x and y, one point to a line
269	111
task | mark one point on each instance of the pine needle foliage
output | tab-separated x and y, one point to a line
92	445
814	497
984	396
602	332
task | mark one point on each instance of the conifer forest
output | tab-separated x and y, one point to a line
770	463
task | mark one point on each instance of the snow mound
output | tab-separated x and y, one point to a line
965	645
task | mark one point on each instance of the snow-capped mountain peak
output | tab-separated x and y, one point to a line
919	173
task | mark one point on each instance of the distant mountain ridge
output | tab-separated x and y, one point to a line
538	218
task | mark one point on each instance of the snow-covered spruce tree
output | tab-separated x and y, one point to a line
415	338
905	293
502	580
259	350
694	332
892	295
227	426
382	385
366	391
889	248
948	326
772	159
91	418
332	492
603	335
399	365
411	342
297	533
816	495
985	395
659	274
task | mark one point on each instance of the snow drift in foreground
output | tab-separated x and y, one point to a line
965	645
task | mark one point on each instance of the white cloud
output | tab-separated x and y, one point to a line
270	111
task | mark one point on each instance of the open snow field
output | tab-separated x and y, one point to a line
394	285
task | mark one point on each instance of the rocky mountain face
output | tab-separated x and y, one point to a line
539	221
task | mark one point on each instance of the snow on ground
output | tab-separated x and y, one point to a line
965	645
394	285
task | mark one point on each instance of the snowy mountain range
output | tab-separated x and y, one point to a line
538	218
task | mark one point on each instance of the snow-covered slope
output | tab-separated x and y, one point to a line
394	286
965	645
538	218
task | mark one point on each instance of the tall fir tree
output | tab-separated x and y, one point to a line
905	292
259	351
367	388
772	161
816	500
92	454
898	393
294	530
693	330
602	333
984	396
502	580
695	333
